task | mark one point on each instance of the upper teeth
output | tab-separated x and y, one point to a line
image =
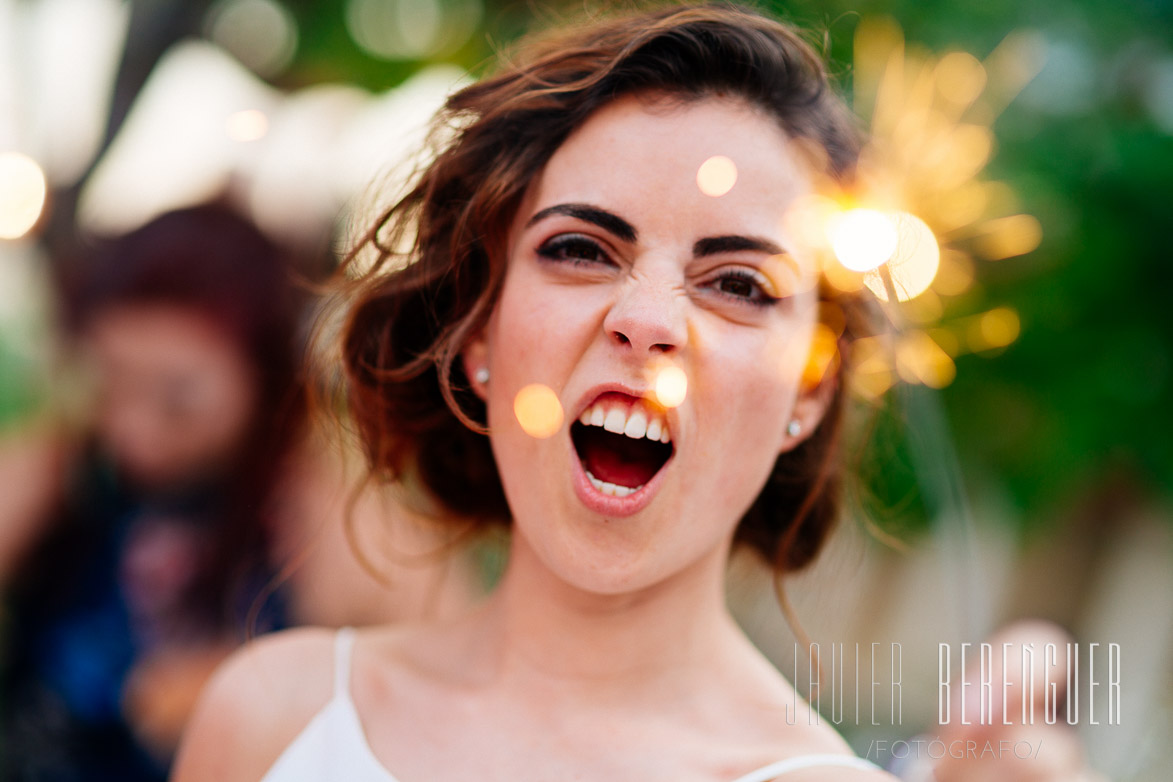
637	420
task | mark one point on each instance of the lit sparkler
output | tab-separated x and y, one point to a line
919	214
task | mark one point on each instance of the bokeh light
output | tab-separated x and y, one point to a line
955	275
261	34
411	29
823	358
538	410
1007	237
959	206
671	386
960	78
22	194
914	261
716	176
926	309
872	373
919	359
995	329
862	238
247	125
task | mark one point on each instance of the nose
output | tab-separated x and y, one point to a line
647	318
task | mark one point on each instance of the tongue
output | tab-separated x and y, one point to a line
618	459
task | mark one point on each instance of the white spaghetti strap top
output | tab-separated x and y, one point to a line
334	748
803	762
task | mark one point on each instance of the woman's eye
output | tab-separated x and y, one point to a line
574	249
745	286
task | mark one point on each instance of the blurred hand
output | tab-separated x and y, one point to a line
162	690
1024	750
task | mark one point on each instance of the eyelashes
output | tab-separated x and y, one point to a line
575	249
746	285
740	285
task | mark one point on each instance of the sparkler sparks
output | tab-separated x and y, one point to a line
862	238
918	214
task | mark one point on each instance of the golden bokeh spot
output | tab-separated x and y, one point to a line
961	153
946	339
823	357
960	206
247	125
862	238
716	176
1007	237
996	329
925	309
955	276
538	410
788	276
872	373
1013	63
919	359
832	316
22	194
960	78
841	278
914	263
671	386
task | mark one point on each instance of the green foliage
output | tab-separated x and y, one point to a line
1084	394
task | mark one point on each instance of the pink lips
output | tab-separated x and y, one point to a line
592	498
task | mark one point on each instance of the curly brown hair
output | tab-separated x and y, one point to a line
439	250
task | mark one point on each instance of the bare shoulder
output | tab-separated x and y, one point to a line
831	760
258	701
798	735
831	773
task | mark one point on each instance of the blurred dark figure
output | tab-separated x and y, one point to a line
151	548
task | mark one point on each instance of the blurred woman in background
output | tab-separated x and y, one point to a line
145	559
138	554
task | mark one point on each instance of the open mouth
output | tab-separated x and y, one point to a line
622	442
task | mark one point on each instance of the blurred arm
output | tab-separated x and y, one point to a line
32	467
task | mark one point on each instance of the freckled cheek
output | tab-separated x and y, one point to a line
747	391
541	328
535	337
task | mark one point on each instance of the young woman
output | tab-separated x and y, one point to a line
559	237
146	545
133	552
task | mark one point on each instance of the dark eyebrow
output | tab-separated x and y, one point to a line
612	223
714	245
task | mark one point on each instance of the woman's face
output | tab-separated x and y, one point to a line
619	265
176	394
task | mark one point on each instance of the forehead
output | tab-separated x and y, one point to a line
160	336
645	151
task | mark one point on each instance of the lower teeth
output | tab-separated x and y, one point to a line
612	489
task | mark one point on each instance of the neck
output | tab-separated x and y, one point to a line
538	627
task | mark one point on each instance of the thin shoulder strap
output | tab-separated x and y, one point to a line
343	651
805	761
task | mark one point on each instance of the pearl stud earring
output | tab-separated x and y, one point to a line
481	375
794	428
